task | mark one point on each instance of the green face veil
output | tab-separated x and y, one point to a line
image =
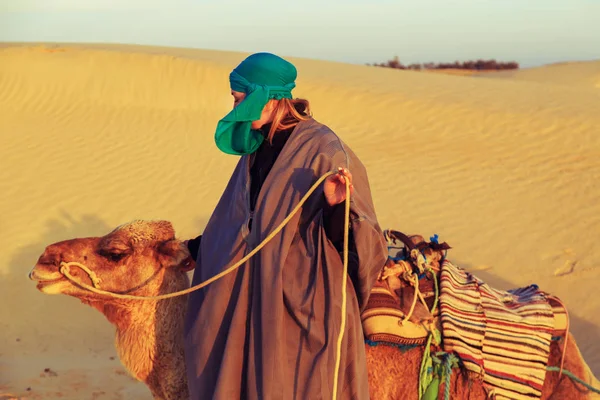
261	76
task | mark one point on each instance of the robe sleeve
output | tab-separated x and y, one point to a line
367	247
334	223
333	220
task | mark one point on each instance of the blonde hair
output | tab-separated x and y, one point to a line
287	113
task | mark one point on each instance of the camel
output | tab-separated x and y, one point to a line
137	258
144	258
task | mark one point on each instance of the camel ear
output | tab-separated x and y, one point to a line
173	253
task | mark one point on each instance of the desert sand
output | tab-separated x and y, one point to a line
505	167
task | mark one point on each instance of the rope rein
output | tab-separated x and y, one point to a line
344	279
573	377
449	362
64	266
64	269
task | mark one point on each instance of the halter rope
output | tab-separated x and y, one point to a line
64	269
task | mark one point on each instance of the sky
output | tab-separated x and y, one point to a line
531	32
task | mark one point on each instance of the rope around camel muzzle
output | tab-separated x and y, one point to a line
64	269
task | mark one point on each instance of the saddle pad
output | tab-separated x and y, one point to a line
504	336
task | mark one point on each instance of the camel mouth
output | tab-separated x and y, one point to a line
50	286
44	277
49	282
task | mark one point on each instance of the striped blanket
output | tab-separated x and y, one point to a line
504	336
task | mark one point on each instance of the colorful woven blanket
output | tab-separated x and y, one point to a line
504	336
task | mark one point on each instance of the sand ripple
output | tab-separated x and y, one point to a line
505	167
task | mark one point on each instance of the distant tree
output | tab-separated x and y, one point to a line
395	63
478	65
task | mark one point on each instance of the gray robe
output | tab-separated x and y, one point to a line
269	329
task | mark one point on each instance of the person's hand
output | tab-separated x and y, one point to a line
334	187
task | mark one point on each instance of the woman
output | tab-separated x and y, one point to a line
269	329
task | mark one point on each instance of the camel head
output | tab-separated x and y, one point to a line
132	259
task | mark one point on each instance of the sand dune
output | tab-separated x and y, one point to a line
578	74
505	170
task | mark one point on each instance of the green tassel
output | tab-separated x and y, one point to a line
432	390
437	337
426	372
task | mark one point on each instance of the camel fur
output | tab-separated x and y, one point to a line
144	258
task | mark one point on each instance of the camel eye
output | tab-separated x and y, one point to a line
115	256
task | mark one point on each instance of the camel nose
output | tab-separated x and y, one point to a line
30	275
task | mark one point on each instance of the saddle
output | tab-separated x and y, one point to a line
400	308
388	317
